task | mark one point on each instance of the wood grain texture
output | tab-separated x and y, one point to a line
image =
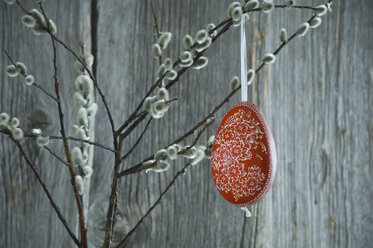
317	97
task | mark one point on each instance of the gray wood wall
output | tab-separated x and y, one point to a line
317	97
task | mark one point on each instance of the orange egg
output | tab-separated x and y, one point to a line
243	160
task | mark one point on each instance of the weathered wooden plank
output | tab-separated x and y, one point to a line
317	97
26	217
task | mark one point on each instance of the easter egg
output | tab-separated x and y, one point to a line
243	159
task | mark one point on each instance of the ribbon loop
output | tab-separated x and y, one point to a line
243	60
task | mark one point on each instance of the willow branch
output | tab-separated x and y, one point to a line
83	231
34	83
69	49
85	141
56	156
49	196
139	167
226	24
180	172
155	25
137	141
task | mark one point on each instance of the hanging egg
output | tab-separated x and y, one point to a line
243	160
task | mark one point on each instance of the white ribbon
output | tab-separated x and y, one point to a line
247	212
243	61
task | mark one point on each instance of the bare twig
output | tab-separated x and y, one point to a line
226	24
180	172
155	24
139	167
103	98
49	196
83	231
69	49
137	141
56	156
34	84
85	141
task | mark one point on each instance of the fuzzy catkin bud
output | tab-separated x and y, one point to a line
191	153
168	63
81	134
87	170
92	110
160	107
269	58
89	59
161	70
231	7
36	131
154	113
17	133
201	36
186	56
37	29
210	141
4	127
201	63
84	84
53	27
315	22
148	163
171	75
172	152
289	3
14	122
28	21
236	23
210	27
78	99
237	13
234	83
267	6
160	166
210	120
29	80
204	45
161	155
164	39
11	71
4	118
22	68
188	41
148	102
74	130
186	64
321	10
82	117
79	184
162	93
39	18
157	51
250	5
200	155
76	156
250	76
303	28
42	141
78	66
283	36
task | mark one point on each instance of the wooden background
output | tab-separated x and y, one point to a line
318	98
